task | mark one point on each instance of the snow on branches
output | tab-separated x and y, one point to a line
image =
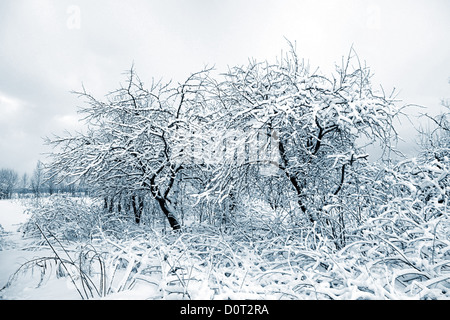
222	138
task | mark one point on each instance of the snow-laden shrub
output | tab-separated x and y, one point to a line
206	262
404	243
66	218
74	219
395	257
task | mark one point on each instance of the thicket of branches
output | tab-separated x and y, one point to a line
40	183
272	134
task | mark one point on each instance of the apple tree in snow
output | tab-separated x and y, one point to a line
299	128
130	149
8	181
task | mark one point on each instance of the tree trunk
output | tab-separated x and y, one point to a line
170	217
138	207
111	205
294	181
163	199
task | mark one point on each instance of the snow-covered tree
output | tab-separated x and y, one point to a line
435	142
37	179
134	143
8	182
299	126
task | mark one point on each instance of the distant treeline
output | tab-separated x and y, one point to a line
39	184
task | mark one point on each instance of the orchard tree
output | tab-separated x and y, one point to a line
302	124
134	143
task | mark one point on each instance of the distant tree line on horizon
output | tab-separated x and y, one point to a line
37	185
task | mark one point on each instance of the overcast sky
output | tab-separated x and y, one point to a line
51	47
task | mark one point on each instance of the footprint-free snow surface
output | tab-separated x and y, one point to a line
15	250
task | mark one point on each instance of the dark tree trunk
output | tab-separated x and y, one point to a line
138	206
294	181
162	199
170	217
108	204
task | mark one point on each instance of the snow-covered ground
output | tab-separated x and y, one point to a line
11	215
17	250
28	270
204	262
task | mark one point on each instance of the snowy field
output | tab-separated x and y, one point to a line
13	250
203	262
16	250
